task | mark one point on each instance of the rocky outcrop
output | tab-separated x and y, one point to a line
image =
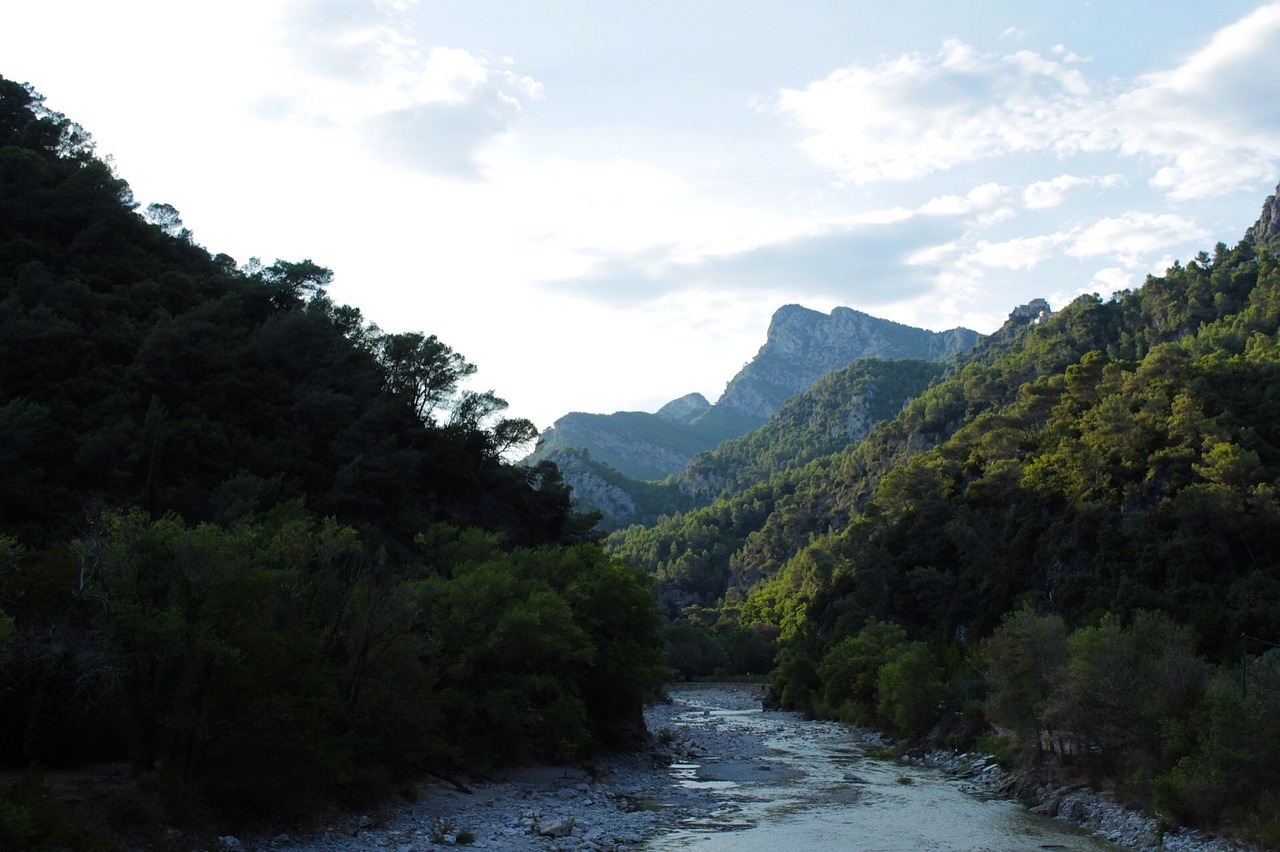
1032	313
639	444
592	490
686	409
1265	233
803	345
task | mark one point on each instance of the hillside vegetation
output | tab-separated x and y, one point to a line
266	554
1070	537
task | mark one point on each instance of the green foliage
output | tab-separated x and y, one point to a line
911	692
850	672
1026	661
837	411
270	555
1093	495
137	368
1230	777
697	651
699	554
276	668
1125	684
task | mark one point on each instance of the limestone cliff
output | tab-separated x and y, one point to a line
1265	233
640	444
803	345
592	490
614	462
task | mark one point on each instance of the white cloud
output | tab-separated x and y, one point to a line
1049	193
1068	55
872	261
921	113
1210	125
1215	119
979	198
1134	235
432	107
1017	253
935	255
1112	279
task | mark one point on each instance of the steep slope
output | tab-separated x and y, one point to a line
617	499
1265	233
265	554
838	410
1073	531
699	555
801	346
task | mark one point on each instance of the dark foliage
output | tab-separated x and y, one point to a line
253	545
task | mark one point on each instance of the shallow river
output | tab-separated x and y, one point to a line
813	786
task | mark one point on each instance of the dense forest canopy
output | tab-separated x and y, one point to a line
267	553
1072	532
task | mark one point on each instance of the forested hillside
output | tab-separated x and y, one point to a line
689	553
264	552
1071	538
838	410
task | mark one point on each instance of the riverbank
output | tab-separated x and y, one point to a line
1097	812
609	805
702	749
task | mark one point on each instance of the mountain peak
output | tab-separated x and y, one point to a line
803	345
686	409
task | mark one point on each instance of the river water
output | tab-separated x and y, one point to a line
785	783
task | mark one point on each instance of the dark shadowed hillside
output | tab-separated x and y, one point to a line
263	554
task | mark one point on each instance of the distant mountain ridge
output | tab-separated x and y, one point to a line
801	346
804	345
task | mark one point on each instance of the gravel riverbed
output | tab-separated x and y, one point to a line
611	804
617	802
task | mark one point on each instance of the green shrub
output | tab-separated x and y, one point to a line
911	690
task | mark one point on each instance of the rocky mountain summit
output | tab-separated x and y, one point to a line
686	409
804	345
801	346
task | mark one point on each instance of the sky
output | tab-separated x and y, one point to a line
600	204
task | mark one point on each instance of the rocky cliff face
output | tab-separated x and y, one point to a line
641	445
803	345
591	490
1265	233
1032	313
